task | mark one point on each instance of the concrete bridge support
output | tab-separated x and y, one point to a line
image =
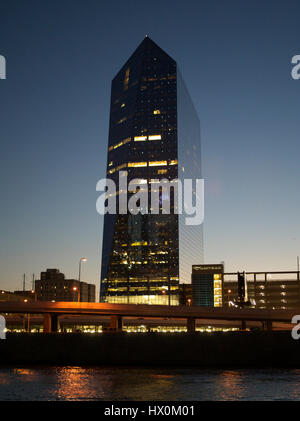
47	323
269	325
116	323
50	323
191	324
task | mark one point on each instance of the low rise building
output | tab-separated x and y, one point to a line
185	294
17	295
53	286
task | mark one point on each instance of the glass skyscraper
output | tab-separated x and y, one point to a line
154	133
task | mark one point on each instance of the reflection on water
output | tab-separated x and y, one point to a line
76	383
230	385
106	383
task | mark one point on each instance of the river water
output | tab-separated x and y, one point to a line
138	384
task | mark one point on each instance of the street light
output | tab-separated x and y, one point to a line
189	301
78	293
35	295
83	259
164	295
228	297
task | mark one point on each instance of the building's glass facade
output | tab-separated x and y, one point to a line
153	134
189	167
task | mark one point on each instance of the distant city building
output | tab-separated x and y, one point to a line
207	285
264	290
25	295
54	287
17	295
154	133
269	290
185	294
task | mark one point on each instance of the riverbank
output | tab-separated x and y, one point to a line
230	349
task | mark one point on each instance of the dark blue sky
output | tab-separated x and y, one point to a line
235	57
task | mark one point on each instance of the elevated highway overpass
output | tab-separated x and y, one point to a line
52	310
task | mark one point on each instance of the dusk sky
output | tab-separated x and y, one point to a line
235	57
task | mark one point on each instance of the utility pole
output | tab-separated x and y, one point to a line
33	285
24	281
82	259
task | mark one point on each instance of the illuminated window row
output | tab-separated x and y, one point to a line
157	163
137	164
145	243
117	168
136	139
145	262
151	163
144	164
154	79
144	138
143	299
117	145
141	281
139	243
126	79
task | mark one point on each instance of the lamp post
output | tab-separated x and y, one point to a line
35	295
78	292
83	259
228	297
164	295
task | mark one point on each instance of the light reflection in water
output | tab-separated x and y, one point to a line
123	383
77	383
24	372
230	385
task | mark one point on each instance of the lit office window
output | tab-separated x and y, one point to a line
137	164
155	137
157	163
117	145
140	138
